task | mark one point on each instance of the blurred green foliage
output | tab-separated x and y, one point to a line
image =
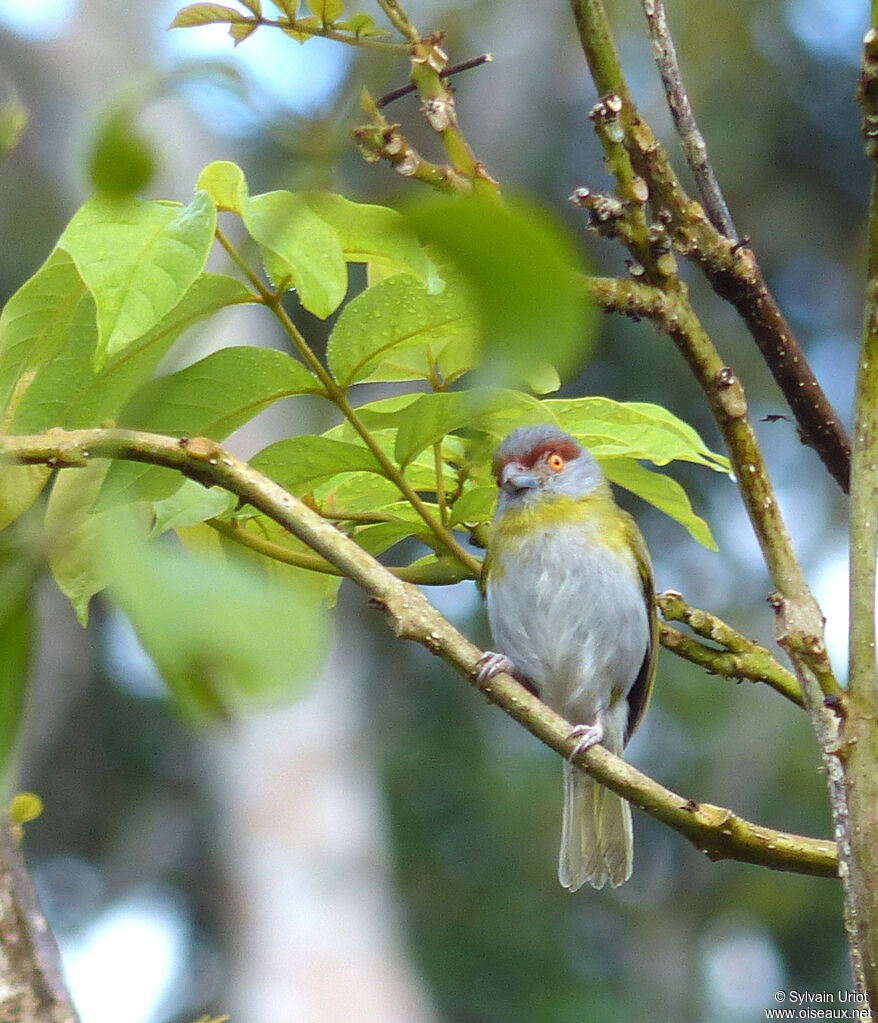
473	805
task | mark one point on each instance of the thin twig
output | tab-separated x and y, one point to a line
738	658
691	139
444	572
338	396
407	90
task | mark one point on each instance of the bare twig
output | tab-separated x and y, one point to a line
739	658
407	90
691	139
715	831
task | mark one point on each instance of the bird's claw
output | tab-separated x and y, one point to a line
586	736
492	663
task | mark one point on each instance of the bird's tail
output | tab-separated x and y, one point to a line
597	841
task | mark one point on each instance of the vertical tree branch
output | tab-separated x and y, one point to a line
32	988
599	49
860	733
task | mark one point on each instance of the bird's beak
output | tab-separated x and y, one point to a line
516	477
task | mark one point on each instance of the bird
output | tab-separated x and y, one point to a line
571	604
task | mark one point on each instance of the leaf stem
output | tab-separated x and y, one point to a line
327	32
440	482
444	572
400	20
338	397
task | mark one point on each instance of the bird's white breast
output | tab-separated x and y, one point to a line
570	613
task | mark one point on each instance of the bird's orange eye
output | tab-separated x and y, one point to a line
555	461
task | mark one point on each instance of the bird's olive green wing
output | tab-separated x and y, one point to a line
638	697
483	575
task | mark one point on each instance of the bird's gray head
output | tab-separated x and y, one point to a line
537	461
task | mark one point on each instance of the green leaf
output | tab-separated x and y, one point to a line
660	490
633	429
356	492
125	373
20	486
310	22
543	379
66	391
138	259
327	11
36	322
475	505
211	398
205	14
122	161
76	552
526	274
19	569
431	416
191	504
374	235
219	393
390	317
298	463
362	24
16	640
383	535
14	119
225	183
25	807
300	249
241	31
223	635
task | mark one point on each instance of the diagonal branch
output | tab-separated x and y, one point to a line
716	831
735	275
738	658
691	139
731	269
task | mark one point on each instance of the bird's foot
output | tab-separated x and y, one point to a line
492	663
586	736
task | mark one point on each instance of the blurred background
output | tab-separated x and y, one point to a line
384	847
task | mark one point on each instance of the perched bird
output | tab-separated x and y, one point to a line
571	604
